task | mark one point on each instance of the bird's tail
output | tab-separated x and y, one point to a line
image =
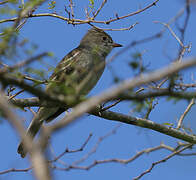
32	131
43	114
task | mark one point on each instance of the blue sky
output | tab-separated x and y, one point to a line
55	35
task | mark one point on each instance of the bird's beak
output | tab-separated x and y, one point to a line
116	45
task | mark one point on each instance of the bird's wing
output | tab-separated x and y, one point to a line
48	114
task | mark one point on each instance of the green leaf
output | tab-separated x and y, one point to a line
92	4
50	54
168	124
52	5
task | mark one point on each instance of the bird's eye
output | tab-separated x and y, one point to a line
104	38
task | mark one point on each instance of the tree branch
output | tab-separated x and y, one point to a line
145	123
36	102
113	92
39	163
163	160
81	21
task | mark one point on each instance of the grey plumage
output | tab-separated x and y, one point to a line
75	75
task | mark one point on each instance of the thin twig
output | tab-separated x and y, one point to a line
71	7
119	29
23	63
94	149
132	14
15	170
72	151
162	161
80	21
186	85
117	160
192	102
112	160
172	32
110	106
97	12
3	2
183	29
16	94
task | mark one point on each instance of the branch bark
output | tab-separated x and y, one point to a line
40	165
113	92
145	123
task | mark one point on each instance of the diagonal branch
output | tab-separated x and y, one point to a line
4	2
162	161
113	92
145	123
23	63
36	102
39	163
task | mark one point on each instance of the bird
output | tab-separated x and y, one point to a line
75	75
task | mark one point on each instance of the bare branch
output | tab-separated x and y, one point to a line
192	102
158	93
15	170
94	149
112	160
23	63
80	21
97	12
72	151
91	103
112	29
145	123
184	27
71	7
31	102
117	160
110	106
41	169
4	2
134	13
172	32
180	85
163	160
16	94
